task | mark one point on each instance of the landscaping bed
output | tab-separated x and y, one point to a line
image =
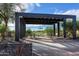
12	48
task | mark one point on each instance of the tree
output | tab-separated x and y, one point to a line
2	30
77	24
49	31
7	11
29	32
69	28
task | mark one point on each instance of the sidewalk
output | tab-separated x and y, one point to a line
47	43
69	48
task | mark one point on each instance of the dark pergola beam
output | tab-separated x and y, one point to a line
40	21
47	16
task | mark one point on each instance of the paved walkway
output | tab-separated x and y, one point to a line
57	48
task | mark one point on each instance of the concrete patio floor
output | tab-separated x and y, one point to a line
55	47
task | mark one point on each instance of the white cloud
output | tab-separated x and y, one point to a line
69	12
28	7
73	12
31	6
18	8
11	24
38	4
57	11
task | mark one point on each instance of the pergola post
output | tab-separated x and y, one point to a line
22	30
64	27
17	27
54	28
58	25
74	27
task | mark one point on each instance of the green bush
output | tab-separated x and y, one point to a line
2	31
29	32
49	31
2	28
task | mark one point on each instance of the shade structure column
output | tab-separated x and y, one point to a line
54	29
64	27
58	25
17	27
74	27
22	30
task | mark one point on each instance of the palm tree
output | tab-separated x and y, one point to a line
7	11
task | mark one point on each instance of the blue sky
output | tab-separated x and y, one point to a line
54	7
51	8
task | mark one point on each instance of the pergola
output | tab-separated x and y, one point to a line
35	18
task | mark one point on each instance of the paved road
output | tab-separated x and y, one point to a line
56	49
